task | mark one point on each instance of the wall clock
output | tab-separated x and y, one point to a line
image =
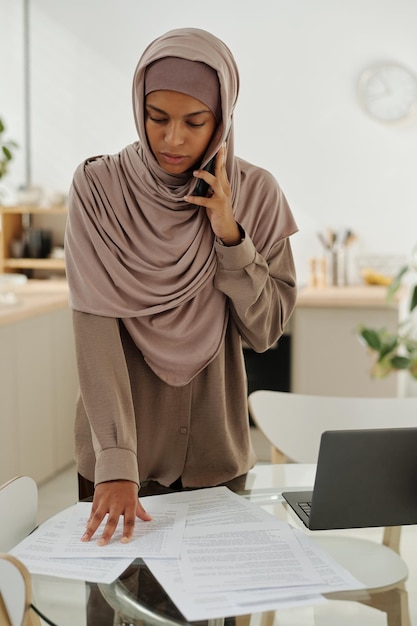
387	92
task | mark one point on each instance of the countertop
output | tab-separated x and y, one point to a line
35	297
355	296
41	296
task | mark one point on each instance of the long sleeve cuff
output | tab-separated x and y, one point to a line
116	464
235	257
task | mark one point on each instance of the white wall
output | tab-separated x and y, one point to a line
298	114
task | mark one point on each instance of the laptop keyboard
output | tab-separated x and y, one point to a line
306	507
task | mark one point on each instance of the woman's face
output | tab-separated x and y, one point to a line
178	128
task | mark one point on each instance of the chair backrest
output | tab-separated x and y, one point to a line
293	423
15	594
18	510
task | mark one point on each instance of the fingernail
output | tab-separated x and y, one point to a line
101	542
125	540
85	537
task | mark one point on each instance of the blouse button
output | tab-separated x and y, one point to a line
183	430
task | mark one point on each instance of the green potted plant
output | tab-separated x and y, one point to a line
392	351
6	151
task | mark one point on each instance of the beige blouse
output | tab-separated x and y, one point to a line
131	425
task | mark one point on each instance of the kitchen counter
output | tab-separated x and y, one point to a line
35	297
327	357
38	381
356	296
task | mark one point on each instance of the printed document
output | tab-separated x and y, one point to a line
215	553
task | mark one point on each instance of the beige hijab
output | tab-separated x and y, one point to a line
136	251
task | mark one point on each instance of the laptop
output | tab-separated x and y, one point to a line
364	478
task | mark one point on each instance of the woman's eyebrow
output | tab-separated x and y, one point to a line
198	112
154	108
158	110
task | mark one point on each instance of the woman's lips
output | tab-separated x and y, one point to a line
173	159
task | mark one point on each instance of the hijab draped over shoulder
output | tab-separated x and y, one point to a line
135	250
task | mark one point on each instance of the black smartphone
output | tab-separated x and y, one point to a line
202	187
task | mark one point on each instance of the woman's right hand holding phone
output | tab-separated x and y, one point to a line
218	202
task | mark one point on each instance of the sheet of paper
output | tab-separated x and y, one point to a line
218	506
231	543
198	605
36	549
160	537
202	606
219	559
334	577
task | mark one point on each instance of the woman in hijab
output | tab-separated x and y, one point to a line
165	283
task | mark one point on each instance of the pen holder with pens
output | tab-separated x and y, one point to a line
336	272
338	267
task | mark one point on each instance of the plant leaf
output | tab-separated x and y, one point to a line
400	362
395	283
7	153
371	337
413	301
410	345
381	369
388	345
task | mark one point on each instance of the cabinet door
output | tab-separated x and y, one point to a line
9	444
327	357
65	384
38	453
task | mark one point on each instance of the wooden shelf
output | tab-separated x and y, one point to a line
29	209
11	228
36	264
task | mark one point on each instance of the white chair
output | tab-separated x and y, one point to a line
293	424
18	511
15	594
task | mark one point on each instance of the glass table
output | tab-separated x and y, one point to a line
138	598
